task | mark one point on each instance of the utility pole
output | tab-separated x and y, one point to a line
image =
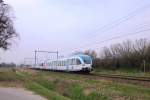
35	58
144	65
57	54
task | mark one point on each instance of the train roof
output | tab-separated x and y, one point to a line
70	57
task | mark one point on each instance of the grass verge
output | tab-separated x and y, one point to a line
63	86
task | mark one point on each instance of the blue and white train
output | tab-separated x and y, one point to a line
77	63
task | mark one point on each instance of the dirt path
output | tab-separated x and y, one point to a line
18	94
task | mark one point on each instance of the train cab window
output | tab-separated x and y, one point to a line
78	62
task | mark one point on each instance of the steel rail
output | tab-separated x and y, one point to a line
138	78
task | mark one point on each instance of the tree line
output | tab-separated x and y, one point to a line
7	65
129	54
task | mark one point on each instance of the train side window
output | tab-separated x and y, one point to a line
60	63
52	63
66	63
57	63
69	61
74	62
63	63
78	62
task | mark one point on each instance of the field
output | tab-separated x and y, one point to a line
65	86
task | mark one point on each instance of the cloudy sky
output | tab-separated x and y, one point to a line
73	25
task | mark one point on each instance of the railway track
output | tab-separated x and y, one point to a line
125	77
112	76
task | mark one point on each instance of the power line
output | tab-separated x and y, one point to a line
121	20
125	35
139	26
117	37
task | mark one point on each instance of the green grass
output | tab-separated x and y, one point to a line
77	94
64	86
131	91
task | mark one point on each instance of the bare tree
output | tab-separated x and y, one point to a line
107	53
7	31
141	46
128	54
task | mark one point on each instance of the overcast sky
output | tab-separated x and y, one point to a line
73	25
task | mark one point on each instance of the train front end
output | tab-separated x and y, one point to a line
86	63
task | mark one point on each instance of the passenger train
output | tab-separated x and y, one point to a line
77	63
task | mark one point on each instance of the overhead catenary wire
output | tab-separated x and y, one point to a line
116	23
121	20
112	38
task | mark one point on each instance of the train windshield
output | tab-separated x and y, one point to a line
86	59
